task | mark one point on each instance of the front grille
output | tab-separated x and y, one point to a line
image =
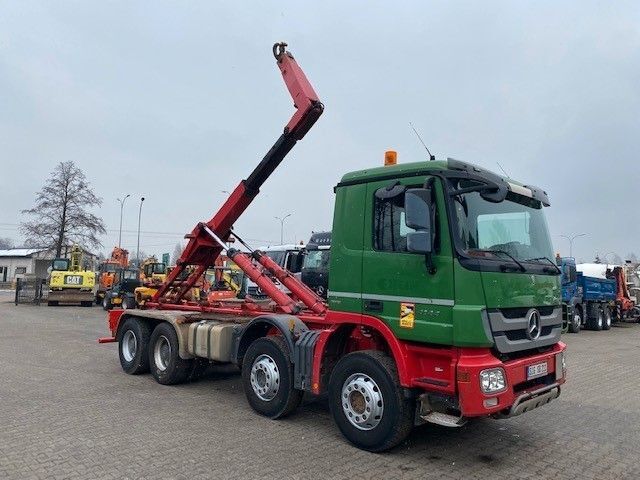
509	328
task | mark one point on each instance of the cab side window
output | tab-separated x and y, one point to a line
389	227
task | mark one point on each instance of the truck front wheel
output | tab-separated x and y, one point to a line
267	378
133	346
367	401
164	360
576	320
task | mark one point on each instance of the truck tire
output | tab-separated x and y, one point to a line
576	321
267	378
86	304
367	401
133	346
606	319
597	322
106	303
164	360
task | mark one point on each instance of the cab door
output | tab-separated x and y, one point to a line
396	284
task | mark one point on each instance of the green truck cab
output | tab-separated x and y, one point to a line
452	257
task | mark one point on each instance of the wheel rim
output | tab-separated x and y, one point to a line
362	401
607	319
600	319
576	321
104	302
265	378
129	345
162	353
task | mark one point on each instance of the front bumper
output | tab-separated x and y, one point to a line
521	394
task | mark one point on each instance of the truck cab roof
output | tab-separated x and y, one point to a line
449	166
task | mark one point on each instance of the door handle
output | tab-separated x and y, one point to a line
373	305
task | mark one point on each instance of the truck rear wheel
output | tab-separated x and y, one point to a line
606	319
164	360
106	303
367	401
597	321
576	321
133	346
267	378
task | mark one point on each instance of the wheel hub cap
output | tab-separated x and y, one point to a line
162	353
265	378
129	345
362	401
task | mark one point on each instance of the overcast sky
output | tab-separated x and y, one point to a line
178	101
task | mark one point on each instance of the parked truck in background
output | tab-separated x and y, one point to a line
589	301
70	282
443	302
315	264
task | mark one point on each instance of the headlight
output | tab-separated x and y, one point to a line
493	380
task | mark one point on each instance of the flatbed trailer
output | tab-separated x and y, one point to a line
398	342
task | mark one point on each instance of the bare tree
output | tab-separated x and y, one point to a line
177	252
5	243
61	212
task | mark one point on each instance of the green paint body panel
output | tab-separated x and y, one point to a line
449	304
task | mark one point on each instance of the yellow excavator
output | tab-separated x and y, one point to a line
69	282
152	275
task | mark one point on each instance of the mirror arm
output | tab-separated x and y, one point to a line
430	266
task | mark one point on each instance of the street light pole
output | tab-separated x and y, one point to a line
121	208
138	246
571	239
282	219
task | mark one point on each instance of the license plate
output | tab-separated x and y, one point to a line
537	370
73	279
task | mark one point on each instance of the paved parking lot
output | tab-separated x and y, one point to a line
67	411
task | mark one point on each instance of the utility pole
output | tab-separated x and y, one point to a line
571	239
121	208
282	219
138	246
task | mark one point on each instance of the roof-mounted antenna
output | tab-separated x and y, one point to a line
431	157
505	173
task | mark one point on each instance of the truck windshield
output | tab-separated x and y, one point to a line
316	259
515	227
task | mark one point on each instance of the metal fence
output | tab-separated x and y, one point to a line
31	291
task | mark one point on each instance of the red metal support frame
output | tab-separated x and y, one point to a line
202	251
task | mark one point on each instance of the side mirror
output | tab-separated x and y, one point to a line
419	242
417	208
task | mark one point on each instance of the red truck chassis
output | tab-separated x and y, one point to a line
431	372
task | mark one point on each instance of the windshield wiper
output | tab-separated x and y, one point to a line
522	269
557	270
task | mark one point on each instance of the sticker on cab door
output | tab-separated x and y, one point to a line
407	314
